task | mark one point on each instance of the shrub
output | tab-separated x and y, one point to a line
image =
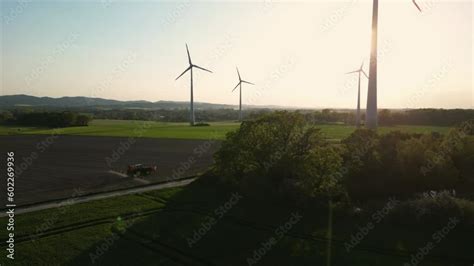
201	124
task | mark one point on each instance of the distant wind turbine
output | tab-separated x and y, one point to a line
371	113
359	71
239	85
190	67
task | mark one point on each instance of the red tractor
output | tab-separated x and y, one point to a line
140	170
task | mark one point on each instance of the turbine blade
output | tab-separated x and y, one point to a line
247	82
183	72
362	66
236	86
189	56
202	68
355	71
238	73
417	6
365	73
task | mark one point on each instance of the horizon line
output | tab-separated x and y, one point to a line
255	105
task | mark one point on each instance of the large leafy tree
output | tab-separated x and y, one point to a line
282	153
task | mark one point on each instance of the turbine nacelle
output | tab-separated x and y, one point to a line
191	65
360	70
241	80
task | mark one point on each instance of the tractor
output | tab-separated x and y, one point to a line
136	170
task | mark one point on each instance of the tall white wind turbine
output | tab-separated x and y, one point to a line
371	113
239	85
190	68
359	71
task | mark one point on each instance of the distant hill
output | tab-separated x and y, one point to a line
10	101
19	100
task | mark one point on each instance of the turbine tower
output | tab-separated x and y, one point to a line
359	71
371	114
240	92
190	68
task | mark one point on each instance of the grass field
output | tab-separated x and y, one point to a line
217	130
128	128
154	228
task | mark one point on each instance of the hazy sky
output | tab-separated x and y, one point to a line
296	53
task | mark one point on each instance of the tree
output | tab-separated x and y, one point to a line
385	117
83	120
282	154
5	116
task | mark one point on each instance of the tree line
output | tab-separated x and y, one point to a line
281	154
45	119
434	117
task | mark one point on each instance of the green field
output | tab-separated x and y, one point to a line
154	228
128	128
217	130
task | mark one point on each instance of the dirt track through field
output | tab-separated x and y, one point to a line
65	166
99	196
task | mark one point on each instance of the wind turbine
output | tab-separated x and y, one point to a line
239	85
190	67
371	114
359	71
